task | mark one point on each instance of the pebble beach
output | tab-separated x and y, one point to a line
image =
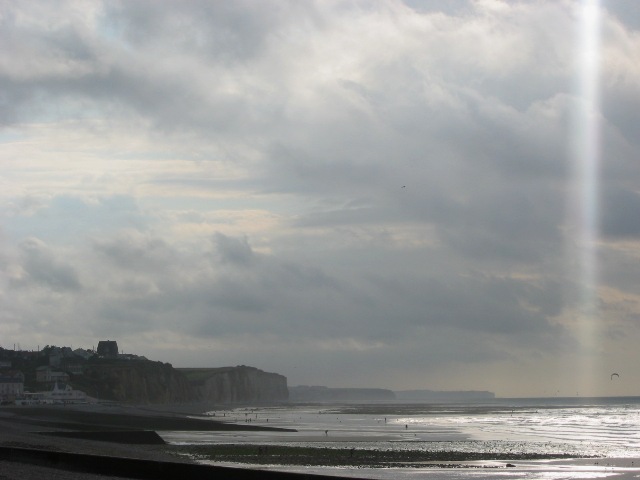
115	431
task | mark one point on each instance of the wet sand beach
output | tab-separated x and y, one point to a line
429	441
91	441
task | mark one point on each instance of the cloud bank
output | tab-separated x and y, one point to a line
348	193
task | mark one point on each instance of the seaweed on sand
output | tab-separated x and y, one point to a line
347	457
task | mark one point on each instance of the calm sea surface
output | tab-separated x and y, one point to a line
607	429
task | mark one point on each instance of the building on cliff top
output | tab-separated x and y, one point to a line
108	348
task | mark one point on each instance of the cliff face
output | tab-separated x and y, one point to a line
156	382
237	385
137	382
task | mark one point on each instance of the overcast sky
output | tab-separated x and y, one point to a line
349	193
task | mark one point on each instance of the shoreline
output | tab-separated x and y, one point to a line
88	417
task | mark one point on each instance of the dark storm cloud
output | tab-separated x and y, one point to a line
620	110
136	252
512	224
143	59
475	303
142	278
233	250
228	32
474	196
620	216
43	268
243	280
33	74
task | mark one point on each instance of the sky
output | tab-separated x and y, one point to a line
362	193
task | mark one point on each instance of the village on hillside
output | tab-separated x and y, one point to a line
48	376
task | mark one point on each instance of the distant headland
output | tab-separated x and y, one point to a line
321	394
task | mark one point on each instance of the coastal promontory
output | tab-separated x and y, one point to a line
159	383
240	384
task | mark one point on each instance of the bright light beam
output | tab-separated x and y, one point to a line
586	161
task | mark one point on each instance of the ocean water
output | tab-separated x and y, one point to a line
599	437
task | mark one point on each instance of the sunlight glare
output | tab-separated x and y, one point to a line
586	159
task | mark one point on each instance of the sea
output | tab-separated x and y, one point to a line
540	438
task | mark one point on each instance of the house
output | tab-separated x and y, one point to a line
11	385
46	374
108	348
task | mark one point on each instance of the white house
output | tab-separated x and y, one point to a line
46	374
